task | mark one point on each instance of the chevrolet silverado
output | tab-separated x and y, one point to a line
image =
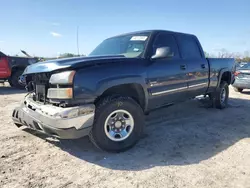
106	94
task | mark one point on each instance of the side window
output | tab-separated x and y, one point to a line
189	48
166	40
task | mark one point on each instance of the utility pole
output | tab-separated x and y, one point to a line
77	41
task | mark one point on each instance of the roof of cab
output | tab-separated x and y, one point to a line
152	31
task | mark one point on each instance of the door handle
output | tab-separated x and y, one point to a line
183	67
203	66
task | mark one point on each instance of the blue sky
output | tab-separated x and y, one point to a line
48	27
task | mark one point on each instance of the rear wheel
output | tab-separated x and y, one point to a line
221	95
238	89
118	124
13	81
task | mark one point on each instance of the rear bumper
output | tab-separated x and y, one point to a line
64	123
242	83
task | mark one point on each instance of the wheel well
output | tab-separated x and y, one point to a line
226	76
135	91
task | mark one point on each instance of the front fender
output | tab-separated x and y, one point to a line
105	84
90	85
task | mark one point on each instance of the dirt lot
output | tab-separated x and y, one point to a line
186	145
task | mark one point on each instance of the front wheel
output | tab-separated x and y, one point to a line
118	124
221	95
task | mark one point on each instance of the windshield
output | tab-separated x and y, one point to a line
245	65
132	45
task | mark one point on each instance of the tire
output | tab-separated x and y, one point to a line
117	106
14	79
221	95
238	89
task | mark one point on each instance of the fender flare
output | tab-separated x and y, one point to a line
105	84
221	72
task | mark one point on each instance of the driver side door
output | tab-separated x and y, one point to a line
167	77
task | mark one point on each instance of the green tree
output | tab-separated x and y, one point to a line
206	54
64	55
246	59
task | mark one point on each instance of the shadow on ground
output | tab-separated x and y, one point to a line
247	92
183	134
7	90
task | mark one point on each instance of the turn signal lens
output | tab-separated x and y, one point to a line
60	93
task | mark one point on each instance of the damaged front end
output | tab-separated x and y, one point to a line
48	88
48	107
64	123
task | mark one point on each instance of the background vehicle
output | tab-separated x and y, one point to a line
106	94
242	77
11	67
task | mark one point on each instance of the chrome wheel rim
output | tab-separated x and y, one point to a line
119	125
223	95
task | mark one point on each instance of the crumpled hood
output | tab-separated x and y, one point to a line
56	64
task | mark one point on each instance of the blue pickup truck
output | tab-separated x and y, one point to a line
106	94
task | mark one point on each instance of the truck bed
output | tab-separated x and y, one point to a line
216	65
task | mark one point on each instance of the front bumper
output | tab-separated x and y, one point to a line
64	123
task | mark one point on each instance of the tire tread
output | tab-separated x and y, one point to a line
100	107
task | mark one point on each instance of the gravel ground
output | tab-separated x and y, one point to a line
186	145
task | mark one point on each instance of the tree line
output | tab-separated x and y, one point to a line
225	54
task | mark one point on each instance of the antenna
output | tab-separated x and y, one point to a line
77	41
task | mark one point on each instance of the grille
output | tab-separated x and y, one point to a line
41	78
40	85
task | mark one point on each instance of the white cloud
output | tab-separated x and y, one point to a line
54	34
217	44
240	43
55	24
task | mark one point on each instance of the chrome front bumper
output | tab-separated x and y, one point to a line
65	123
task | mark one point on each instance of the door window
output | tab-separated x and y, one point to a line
166	40
188	47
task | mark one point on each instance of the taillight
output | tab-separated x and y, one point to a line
236	73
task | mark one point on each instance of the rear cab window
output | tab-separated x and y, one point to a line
189	48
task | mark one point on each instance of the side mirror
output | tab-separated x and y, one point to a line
162	52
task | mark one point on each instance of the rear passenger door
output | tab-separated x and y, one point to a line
197	65
167	78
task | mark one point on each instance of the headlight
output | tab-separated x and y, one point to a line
62	77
